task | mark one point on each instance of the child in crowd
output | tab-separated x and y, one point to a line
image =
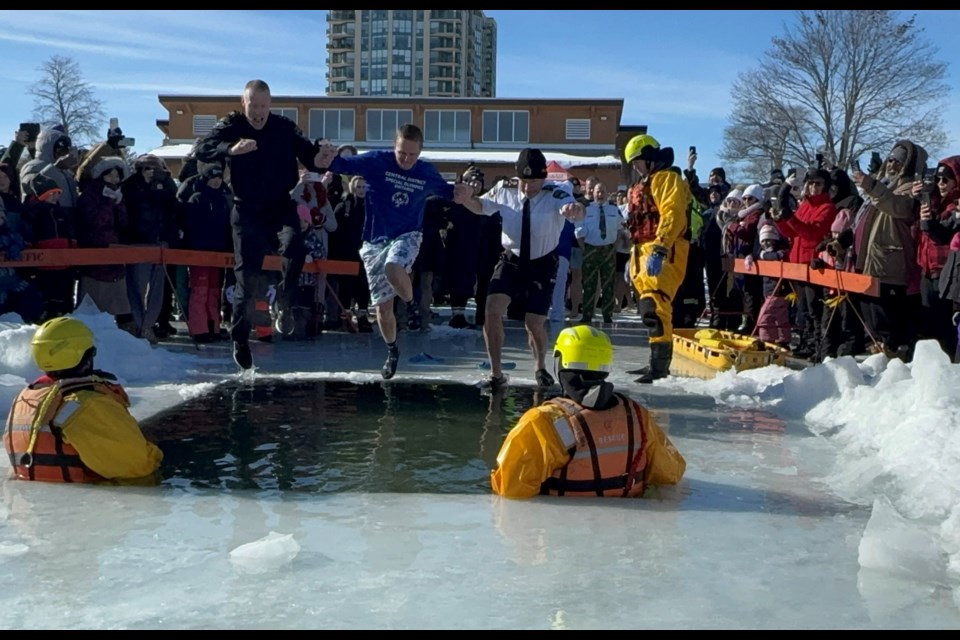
842	332
773	321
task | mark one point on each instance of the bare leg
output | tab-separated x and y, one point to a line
399	279
537	337
497	304
387	321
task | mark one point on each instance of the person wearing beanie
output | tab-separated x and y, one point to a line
884	247
590	441
938	224
806	228
206	228
51	227
744	241
773	317
101	222
534	213
399	183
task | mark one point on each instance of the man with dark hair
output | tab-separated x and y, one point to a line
534	213
263	149
399	184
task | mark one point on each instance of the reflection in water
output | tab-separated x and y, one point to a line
335	436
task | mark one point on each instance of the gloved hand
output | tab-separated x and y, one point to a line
792	298
956	318
655	261
114	136
818	264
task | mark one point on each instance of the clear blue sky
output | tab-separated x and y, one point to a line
675	70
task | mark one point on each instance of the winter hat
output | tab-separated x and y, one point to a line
819	174
754	191
842	222
211	171
108	163
769	231
532	165
942	170
899	154
44	187
303	211
719	172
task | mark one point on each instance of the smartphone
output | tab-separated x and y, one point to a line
114	123
855	165
32	129
693	151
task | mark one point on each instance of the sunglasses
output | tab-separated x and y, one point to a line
943	179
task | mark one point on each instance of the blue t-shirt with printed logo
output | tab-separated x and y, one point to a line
395	198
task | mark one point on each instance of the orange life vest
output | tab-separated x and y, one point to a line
643	217
50	459
610	451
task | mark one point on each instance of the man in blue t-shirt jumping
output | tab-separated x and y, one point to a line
398	185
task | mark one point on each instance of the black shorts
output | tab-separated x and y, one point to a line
531	291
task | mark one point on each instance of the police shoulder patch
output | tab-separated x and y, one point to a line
559	194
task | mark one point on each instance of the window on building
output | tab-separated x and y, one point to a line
382	124
578	128
336	125
285	112
446	126
506	126
202	125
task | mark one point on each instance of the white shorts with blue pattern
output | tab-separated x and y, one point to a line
401	250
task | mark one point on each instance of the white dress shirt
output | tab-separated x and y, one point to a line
546	223
588	229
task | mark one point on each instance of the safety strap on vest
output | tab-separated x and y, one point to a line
50	407
600	484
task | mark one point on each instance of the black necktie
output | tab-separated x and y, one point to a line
525	235
603	223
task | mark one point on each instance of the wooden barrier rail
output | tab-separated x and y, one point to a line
841	280
123	254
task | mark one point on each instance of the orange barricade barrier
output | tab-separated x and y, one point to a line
120	254
841	280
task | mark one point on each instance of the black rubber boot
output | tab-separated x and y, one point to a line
661	354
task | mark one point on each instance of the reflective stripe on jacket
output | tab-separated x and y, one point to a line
51	458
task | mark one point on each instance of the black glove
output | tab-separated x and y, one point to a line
787	202
875	163
818	264
114	136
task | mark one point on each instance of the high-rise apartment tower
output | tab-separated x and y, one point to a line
442	53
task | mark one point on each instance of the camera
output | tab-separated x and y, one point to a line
693	150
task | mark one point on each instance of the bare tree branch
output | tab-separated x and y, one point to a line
843	83
61	96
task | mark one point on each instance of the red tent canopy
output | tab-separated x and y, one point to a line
556	172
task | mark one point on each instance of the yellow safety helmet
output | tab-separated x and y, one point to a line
635	148
60	343
584	348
